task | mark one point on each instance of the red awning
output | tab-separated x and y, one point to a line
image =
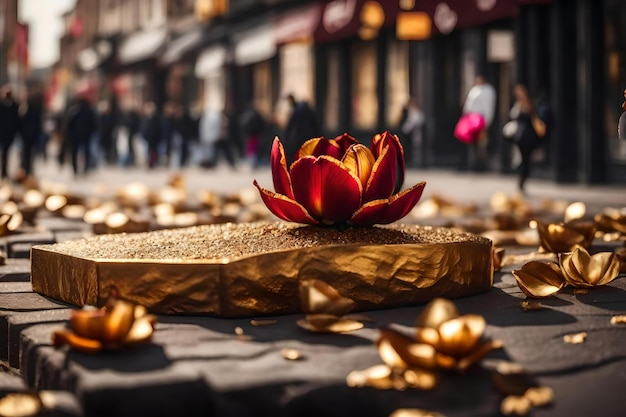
448	15
345	18
297	24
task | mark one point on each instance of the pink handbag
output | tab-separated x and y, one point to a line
468	127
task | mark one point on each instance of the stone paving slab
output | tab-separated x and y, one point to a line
241	376
15	270
12	287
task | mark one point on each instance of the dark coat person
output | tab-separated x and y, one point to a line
9	126
81	124
152	132
31	130
302	126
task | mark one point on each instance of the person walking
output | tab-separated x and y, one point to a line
302	126
9	126
481	99
410	129
81	124
253	126
151	130
31	129
529	129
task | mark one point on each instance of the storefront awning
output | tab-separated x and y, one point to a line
346	18
210	60
176	49
298	24
254	45
141	45
432	17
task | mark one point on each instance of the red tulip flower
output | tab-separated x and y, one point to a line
340	182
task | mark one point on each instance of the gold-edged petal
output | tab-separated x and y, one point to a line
359	160
318	147
382	181
345	141
326	188
280	172
378	144
284	207
539	279
388	211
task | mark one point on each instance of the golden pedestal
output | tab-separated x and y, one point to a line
253	269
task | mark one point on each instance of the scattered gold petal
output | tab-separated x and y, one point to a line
575	211
420	378
20	405
581	290
498	256
529	305
539	396
580	269
263	322
437	312
515	405
319	297
575	338
539	279
414	412
377	376
508	368
558	238
326	323
401	351
238	331
618	319
291	354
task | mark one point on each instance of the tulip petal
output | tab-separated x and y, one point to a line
318	147
390	210
382	180
378	144
344	142
280	173
284	207
360	161
326	188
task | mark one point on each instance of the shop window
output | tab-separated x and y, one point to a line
214	90
263	86
296	76
364	98
397	81
331	118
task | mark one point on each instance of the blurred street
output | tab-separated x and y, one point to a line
457	187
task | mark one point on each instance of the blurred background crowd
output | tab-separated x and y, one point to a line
172	83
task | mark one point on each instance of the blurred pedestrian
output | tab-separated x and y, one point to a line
80	125
480	99
106	133
302	126
31	128
253	126
529	129
215	138
9	126
168	131
151	130
187	128
410	129
132	122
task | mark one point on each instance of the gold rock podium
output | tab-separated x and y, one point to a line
253	269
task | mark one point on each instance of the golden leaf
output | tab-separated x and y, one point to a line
318	297
575	211
20	405
515	405
580	269
291	354
327	323
267	322
414	412
559	238
575	338
529	305
539	396
539	279
377	376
